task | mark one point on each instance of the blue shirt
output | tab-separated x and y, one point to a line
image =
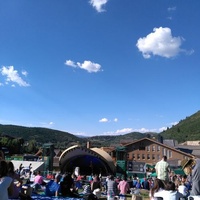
51	188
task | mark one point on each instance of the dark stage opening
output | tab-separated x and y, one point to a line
87	164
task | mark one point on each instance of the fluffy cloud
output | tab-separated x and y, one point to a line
103	120
171	9
25	73
86	65
98	4
161	43
70	63
107	120
115	120
13	77
162	129
124	131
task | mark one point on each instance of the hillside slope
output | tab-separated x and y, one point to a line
187	129
41	135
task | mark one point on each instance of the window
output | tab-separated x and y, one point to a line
153	148
138	156
158	157
143	156
148	156
164	151
127	155
153	157
148	148
133	156
170	154
158	148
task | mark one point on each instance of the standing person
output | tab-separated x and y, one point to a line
111	188
5	181
162	169
123	187
96	186
20	168
15	177
30	167
191	168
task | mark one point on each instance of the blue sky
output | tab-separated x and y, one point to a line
99	67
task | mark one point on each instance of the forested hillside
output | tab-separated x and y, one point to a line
41	135
104	140
186	129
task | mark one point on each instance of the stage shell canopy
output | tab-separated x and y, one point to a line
88	160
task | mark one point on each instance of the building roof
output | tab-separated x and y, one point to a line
171	143
161	144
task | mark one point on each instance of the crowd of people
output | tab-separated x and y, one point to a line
166	186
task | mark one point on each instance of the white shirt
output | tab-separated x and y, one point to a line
156	194
169	195
183	190
4	185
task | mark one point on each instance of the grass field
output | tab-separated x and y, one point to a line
143	193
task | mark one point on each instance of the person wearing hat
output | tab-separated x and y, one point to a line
191	167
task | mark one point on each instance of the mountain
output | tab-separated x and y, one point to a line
116	140
41	135
65	139
186	129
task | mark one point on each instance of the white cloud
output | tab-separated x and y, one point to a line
107	120
171	8
86	65
89	66
129	130
47	124
124	131
12	76
162	129
161	43
98	4
173	123
103	120
70	63
25	73
115	120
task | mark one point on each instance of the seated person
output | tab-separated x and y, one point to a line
16	183
53	186
170	192
67	187
38	181
38	178
86	189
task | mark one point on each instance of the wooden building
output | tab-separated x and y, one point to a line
151	151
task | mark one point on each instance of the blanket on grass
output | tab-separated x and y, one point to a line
43	197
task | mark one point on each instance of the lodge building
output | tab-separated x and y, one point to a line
149	151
